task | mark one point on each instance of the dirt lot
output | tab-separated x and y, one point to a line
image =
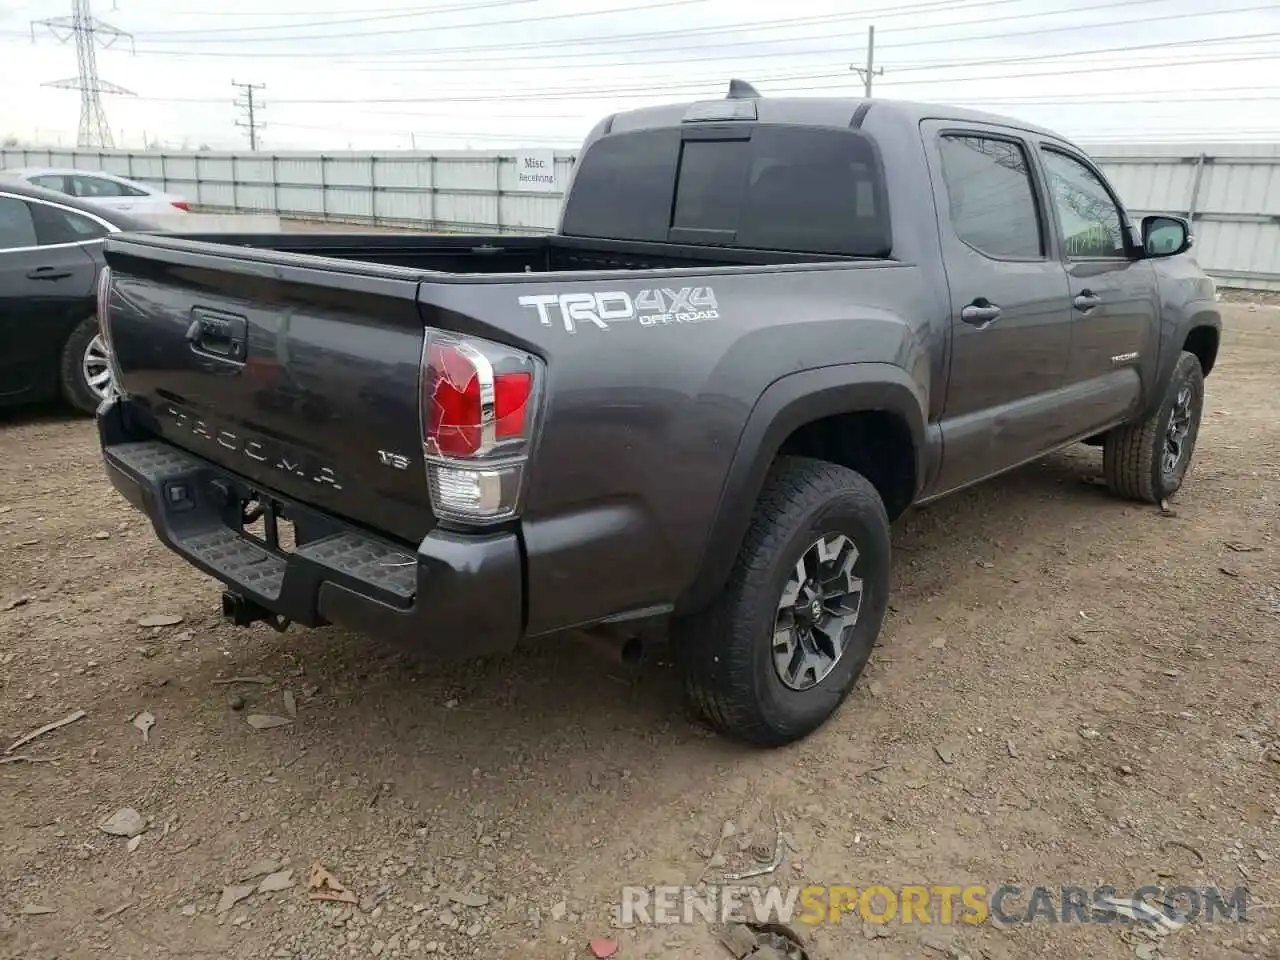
1070	690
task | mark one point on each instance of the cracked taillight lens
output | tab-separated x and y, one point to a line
479	414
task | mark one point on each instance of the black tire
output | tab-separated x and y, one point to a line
726	651
1133	456
75	387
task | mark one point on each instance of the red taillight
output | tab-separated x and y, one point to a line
457	412
182	204
478	413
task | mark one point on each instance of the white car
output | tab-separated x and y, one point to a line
102	189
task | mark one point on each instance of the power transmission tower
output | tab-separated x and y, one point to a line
870	70
89	33
250	108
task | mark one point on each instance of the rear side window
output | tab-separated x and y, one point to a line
55	225
992	201
622	187
16	227
769	187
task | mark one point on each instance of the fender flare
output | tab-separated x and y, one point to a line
787	404
1171	349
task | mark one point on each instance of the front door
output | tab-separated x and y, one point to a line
1010	309
1115	300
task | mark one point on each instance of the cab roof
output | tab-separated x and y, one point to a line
814	111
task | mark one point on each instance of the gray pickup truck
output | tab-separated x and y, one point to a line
763	330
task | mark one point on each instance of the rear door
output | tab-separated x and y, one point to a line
47	275
1115	300
1010	309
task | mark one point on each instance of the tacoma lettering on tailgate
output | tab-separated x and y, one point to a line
259	449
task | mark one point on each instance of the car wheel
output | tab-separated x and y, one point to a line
781	647
86	367
1149	460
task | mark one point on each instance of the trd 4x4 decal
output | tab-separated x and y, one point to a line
650	308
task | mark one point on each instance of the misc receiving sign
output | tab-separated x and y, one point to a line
536	171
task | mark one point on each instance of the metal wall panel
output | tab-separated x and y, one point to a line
1231	191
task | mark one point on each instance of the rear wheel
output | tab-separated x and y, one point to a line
86	368
1149	460
779	650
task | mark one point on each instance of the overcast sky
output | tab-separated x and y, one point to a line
455	74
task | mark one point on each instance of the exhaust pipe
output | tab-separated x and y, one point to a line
623	650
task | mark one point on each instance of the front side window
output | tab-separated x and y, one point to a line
95	187
1088	220
991	197
50	182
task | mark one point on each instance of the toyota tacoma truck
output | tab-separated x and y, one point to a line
763	329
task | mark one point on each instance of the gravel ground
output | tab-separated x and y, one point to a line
1070	690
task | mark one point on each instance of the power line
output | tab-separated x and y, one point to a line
439	55
514	64
906	67
705	86
487	24
250	108
369	16
1237	94
1244	38
311	11
900	10
88	32
928	6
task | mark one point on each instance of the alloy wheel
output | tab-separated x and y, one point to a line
818	610
96	367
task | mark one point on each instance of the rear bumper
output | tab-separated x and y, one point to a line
456	595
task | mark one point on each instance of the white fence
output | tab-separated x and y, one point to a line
464	191
1231	191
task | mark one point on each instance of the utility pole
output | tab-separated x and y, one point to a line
89	33
250	108
870	70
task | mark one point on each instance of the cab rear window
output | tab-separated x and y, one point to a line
767	187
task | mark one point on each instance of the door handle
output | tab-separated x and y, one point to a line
48	273
1086	300
980	312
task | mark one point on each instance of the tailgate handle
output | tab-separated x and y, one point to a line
222	335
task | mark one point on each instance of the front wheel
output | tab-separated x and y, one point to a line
1149	460
781	647
86	367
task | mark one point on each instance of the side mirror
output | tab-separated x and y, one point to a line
1164	236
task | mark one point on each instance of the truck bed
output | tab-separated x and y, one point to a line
294	359
472	254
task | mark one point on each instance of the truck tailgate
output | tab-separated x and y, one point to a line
303	379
